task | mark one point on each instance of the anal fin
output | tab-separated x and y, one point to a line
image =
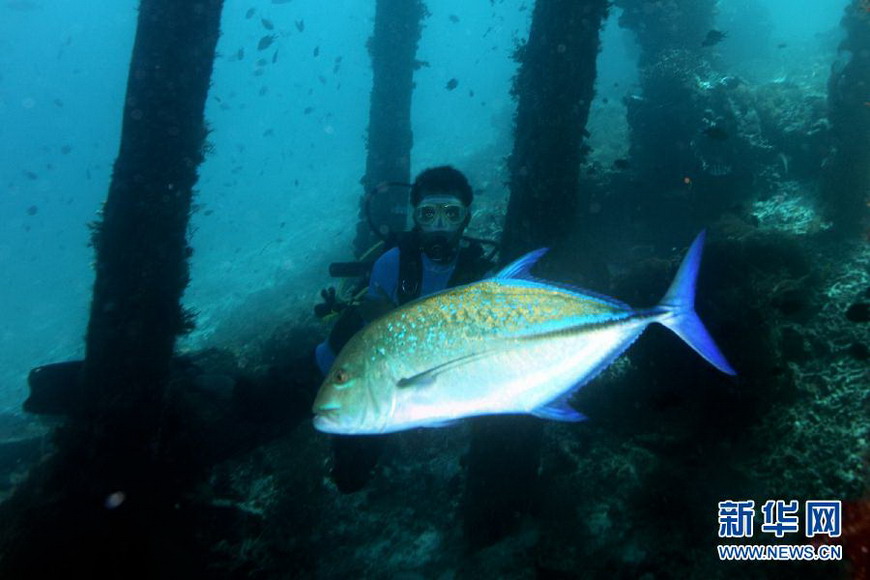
559	410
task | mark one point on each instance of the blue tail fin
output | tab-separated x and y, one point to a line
679	304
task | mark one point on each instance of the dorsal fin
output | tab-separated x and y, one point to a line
521	267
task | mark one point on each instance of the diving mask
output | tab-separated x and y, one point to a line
440	213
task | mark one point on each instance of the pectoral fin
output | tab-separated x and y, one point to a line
429	377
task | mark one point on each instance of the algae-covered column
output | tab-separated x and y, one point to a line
667	147
141	242
393	50
554	89
107	503
846	180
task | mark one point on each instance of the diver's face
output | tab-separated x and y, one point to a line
441	219
440	213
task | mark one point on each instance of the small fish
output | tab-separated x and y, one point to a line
730	81
30	175
263	90
307	110
316	51
781	45
621	164
58	103
32	210
508	344
267	24
266	42
300	25
65	149
250	13
453	18
240	55
714	37
275	57
716	133
452	84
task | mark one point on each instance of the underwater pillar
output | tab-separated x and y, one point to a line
141	241
663	27
666	118
393	50
846	178
554	89
107	503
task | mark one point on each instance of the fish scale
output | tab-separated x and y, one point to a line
500	308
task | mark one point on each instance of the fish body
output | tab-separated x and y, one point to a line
714	37
266	41
508	344
716	133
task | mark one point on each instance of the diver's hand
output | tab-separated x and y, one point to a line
330	304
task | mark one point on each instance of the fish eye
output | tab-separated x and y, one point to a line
341	377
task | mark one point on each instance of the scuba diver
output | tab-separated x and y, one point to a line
430	257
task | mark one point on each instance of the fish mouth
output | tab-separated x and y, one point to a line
325	416
326	408
326	423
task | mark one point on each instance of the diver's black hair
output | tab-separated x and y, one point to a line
443	179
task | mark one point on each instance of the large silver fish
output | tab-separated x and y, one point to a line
507	344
